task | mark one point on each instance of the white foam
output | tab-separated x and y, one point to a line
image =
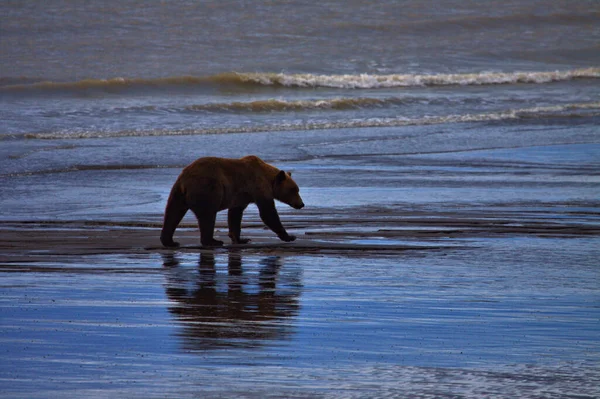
369	81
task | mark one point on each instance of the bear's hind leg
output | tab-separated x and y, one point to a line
206	224
174	212
234	220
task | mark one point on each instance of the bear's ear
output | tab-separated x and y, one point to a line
289	174
280	177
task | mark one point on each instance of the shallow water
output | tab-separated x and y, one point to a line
437	167
433	324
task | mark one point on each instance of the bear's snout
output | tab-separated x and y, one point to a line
297	204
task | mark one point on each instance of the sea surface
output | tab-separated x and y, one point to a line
450	119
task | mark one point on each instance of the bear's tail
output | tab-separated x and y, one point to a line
175	211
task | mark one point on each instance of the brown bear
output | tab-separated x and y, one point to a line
209	185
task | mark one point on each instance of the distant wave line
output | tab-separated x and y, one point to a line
113	83
473	22
557	111
350	81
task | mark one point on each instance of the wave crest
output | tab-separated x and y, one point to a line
357	81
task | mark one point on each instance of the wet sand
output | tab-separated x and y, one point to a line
368	302
373	229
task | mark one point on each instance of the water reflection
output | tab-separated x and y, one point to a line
237	309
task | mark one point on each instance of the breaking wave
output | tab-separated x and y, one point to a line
558	111
355	81
367	81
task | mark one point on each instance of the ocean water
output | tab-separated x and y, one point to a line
119	69
135	90
392	115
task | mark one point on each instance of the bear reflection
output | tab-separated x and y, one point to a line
240	309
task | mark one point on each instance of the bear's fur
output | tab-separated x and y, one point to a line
209	185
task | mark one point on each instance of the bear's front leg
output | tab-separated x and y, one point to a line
269	215
234	221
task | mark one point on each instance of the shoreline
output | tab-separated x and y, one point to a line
380	230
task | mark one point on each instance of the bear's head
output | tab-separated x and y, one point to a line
286	190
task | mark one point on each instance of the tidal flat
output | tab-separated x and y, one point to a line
368	302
